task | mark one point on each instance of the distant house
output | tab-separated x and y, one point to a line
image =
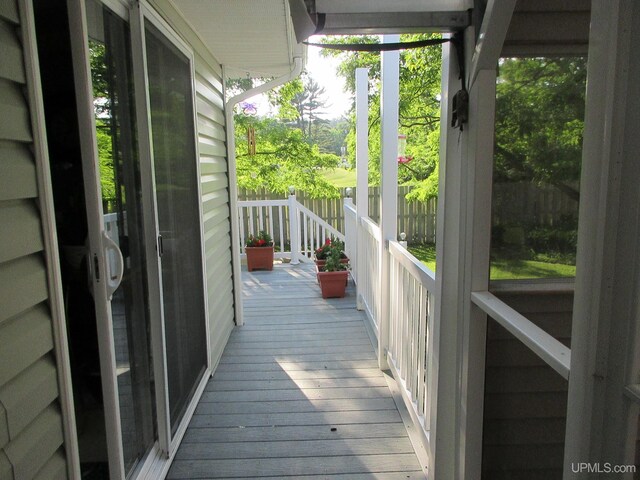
119	250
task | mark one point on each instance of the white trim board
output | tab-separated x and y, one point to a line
50	237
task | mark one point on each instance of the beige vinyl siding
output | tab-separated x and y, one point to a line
214	182
31	429
215	204
525	399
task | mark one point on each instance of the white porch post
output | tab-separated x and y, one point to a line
294	229
362	171
444	391
462	253
602	421
389	189
479	174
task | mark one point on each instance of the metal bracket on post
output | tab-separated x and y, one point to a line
293	227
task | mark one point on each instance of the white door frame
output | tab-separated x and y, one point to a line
97	254
145	12
157	462
49	233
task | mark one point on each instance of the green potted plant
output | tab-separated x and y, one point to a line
323	252
259	249
334	274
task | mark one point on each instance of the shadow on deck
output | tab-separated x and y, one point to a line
297	393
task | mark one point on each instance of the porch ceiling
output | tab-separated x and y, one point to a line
548	28
338	17
249	37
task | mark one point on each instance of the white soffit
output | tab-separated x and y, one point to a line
249	37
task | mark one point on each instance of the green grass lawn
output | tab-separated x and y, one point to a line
504	268
340	177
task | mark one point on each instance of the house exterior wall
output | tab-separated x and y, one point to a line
214	182
31	422
525	399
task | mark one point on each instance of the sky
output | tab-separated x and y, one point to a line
323	71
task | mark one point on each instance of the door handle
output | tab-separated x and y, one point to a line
114	270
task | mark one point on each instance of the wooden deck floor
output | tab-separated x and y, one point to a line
297	394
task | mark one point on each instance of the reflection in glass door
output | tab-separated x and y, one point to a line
176	191
119	171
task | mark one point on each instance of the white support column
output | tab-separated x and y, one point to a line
389	105
602	424
462	252
362	170
479	175
449	259
294	229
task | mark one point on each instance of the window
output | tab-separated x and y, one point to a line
538	152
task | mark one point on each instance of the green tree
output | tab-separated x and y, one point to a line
330	135
539	116
283	155
419	109
283	158
309	103
539	121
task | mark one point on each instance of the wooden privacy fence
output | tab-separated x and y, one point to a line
513	203
416	219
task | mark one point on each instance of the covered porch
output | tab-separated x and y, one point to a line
298	392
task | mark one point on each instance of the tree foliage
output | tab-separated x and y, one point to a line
539	116
539	121
292	148
283	158
419	109
309	104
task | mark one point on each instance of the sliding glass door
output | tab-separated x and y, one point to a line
134	87
177	203
109	41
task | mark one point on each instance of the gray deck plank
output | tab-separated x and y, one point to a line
292	419
351	476
309	448
285	374
296	366
341	338
316	357
286	346
298	433
291	384
297	394
260	467
294	406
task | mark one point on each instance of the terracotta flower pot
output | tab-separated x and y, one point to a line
259	258
333	284
320	268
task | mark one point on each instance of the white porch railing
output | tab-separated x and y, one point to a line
296	230
362	245
411	290
410	327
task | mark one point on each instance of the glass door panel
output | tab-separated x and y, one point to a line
176	190
120	182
